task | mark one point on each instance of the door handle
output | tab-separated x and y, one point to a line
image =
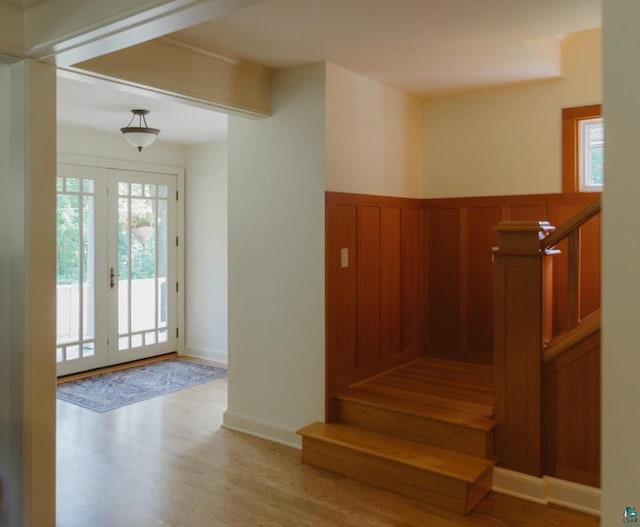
112	277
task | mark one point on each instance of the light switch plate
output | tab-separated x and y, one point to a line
344	257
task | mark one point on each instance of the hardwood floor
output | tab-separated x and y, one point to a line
166	462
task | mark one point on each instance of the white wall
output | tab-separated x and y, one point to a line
206	251
621	263
27	295
373	137
96	143
508	140
276	260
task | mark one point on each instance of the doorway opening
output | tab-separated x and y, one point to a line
117	267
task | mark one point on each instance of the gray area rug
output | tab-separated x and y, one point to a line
107	391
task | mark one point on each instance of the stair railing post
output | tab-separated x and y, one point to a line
522	322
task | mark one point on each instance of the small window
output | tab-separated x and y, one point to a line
591	156
582	149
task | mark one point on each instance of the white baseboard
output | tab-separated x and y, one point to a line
519	485
206	353
573	495
547	490
263	429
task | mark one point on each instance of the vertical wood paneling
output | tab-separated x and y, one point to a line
368	280
463	277
529	213
549	419
374	306
411	279
371	304
590	267
577	413
390	278
479	315
340	292
442	280
472	295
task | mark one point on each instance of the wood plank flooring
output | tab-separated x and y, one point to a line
166	462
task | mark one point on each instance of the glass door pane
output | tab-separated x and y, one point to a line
145	219
77	346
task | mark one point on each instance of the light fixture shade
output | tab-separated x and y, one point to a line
139	136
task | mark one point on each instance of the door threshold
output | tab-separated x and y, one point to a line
117	367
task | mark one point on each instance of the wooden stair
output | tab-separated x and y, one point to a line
424	430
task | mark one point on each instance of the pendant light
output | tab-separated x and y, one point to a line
139	136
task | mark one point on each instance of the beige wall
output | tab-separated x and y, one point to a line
508	140
621	257
206	251
276	260
373	137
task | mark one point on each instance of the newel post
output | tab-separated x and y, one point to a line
522	320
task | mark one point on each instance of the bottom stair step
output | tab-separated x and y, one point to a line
440	477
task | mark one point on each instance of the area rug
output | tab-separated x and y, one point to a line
107	391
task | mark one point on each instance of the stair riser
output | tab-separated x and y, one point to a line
442	491
434	432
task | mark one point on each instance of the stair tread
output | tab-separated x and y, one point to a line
461	387
438	460
477	420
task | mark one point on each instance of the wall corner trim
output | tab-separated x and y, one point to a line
262	429
547	490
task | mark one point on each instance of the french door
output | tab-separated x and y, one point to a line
116	266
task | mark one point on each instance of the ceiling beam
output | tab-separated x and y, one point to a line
65	32
11	33
171	67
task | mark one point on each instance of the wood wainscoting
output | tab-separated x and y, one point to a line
459	235
410	277
374	297
419	277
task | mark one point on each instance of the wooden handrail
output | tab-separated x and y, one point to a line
567	340
572	224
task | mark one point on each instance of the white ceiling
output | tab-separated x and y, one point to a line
419	46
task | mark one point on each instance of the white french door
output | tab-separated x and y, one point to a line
117	266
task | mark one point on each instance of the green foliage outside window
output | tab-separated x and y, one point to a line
68	239
597	166
70	244
143	256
